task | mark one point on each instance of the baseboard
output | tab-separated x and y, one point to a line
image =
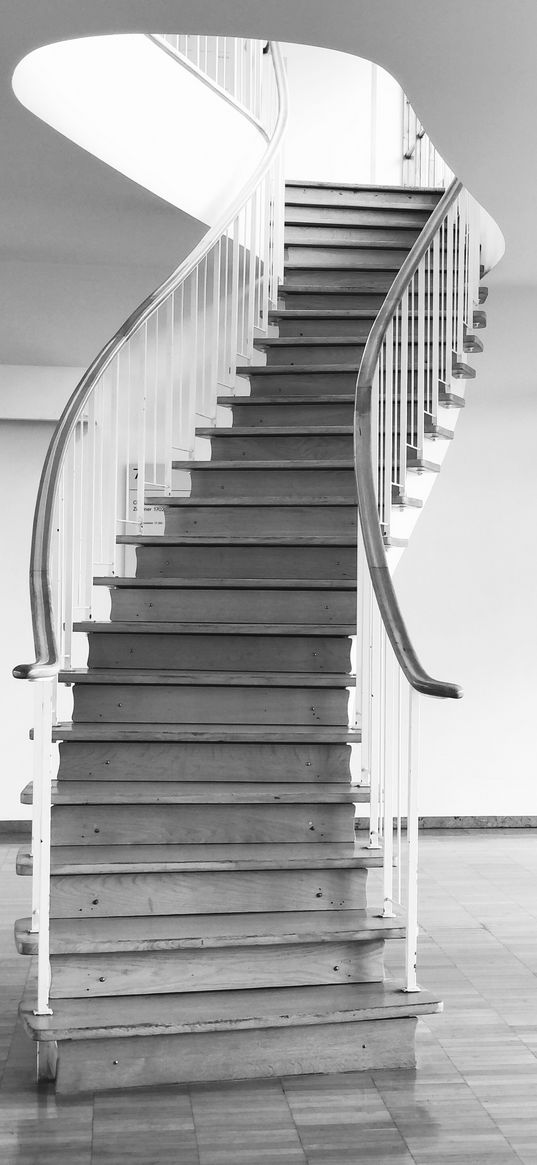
487	821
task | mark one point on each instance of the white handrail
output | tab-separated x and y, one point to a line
133	414
233	66
415	351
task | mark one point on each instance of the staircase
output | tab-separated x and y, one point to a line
208	899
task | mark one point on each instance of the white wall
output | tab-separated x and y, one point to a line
468	582
333	98
31	400
172	133
22	448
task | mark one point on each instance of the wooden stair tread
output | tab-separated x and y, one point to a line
423	464
173	501
110	675
125	859
300	369
223	1010
451	400
308	341
231	583
124	627
277	463
289	399
404	193
88	792
233	734
342	288
372	244
319	398
176	932
284	539
276	431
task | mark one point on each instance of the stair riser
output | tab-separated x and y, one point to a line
90	1065
357	329
285	483
314	354
327	353
208	704
221	652
174	605
360	197
341	279
302	412
219	969
354	217
200	824
283	447
323	301
264	521
117	895
295	562
326	234
104	761
360	258
302	384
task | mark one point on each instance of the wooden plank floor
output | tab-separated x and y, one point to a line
472	1100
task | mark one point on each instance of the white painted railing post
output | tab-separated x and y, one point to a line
43	710
411	945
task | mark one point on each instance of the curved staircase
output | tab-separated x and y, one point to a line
208	904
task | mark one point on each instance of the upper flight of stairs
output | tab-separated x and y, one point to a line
209	913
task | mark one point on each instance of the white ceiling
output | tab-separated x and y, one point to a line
469	66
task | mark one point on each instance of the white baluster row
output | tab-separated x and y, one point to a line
232	63
422	164
419	358
141	414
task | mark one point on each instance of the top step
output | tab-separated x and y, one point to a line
327	194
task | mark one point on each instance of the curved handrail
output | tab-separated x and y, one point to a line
383	587
205	79
46	664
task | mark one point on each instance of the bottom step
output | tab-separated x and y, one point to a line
106	1043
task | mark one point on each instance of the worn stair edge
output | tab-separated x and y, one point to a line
362	858
278	463
152	677
260	630
123	793
100	935
224	733
347	398
285	539
402	191
234	582
157	1015
261	503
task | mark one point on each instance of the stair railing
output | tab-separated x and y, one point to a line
422	164
413	354
233	64
132	415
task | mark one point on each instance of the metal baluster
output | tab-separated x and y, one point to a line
434	280
403	393
411	945
449	296
389	779
421	358
391	363
234	305
43	702
141	419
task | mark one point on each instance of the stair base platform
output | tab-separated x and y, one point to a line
109	1043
